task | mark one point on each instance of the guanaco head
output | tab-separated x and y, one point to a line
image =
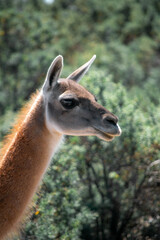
71	110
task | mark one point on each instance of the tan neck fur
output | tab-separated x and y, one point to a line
26	158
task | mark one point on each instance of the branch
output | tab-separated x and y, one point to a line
129	212
96	181
156	162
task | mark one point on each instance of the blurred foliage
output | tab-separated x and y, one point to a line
104	192
98	190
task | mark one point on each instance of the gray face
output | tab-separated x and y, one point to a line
72	110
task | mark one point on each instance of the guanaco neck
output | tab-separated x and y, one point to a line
24	164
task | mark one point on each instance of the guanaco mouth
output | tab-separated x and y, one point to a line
103	135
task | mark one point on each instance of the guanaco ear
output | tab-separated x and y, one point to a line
80	72
53	73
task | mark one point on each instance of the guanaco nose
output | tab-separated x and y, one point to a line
110	119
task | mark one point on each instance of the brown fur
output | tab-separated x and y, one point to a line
25	156
19	119
5	147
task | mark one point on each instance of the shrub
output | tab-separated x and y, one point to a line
100	190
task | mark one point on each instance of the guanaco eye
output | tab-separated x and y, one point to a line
69	103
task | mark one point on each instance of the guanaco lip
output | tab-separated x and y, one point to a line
105	136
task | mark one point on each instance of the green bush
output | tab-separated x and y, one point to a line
95	188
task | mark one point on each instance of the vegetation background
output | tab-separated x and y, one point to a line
93	190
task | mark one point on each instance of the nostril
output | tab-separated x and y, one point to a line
111	120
